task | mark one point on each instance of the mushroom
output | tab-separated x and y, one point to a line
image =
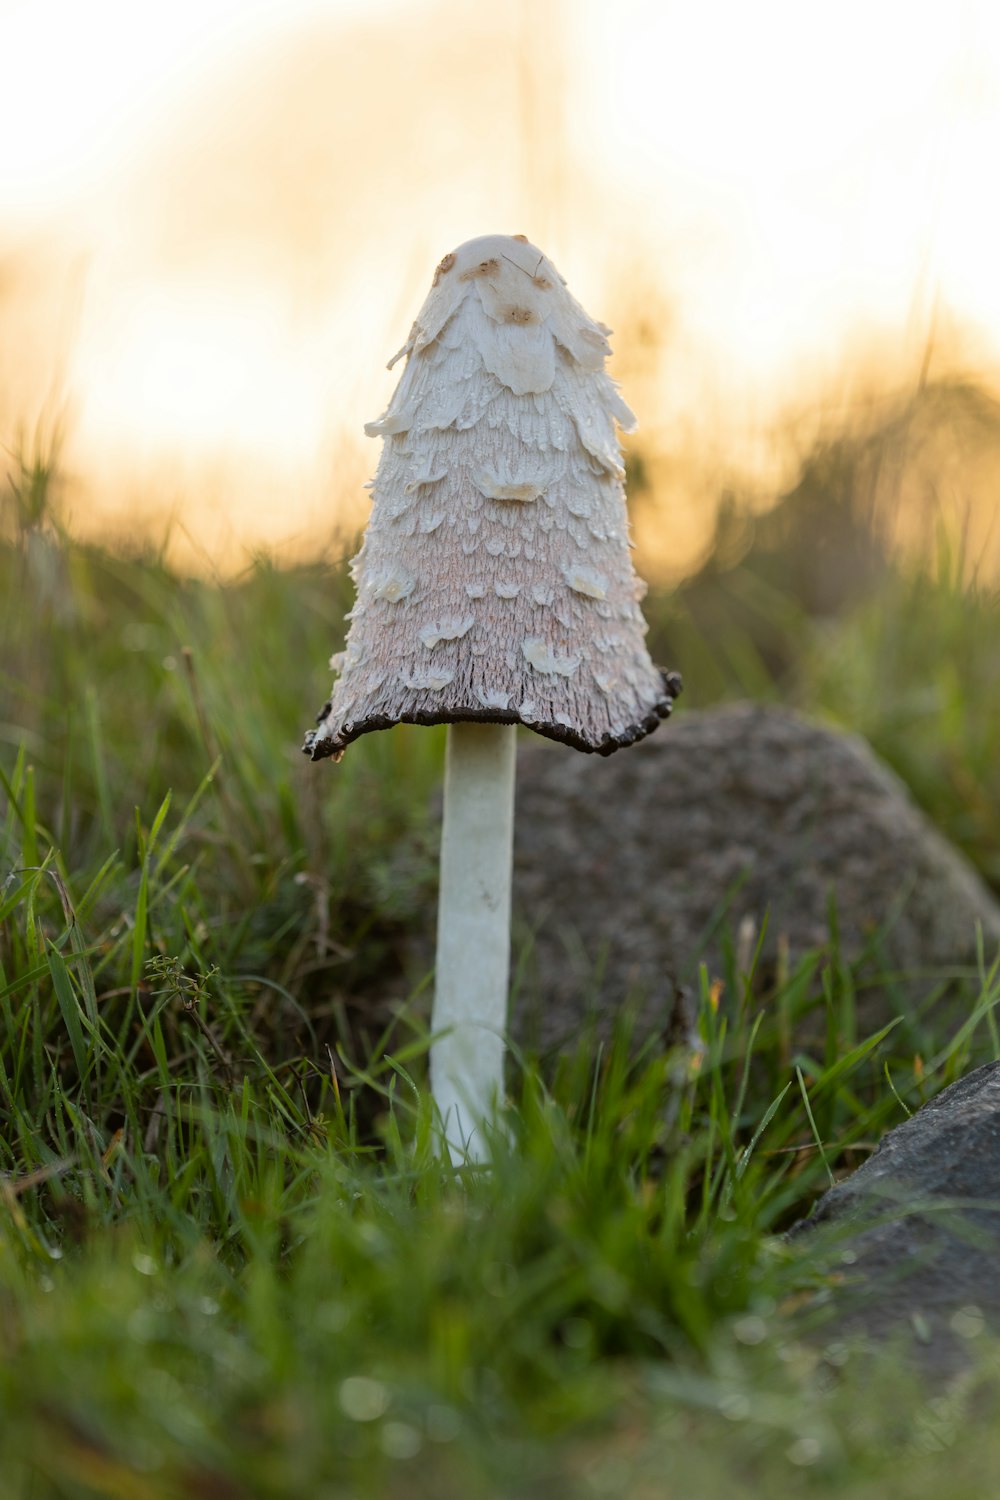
494	588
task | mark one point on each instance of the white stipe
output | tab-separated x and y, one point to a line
473	952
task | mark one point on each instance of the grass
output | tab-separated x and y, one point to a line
233	1259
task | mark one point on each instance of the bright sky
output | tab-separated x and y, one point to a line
218	217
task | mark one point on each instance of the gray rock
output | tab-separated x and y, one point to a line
631	870
915	1232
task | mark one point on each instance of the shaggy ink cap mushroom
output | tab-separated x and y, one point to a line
495	581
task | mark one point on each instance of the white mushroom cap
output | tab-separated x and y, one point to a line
495	580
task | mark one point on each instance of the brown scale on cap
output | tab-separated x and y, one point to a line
443	268
522	315
495	582
484	268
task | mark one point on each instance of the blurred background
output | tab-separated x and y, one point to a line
218	218
217	221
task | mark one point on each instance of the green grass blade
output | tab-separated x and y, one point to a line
69	1009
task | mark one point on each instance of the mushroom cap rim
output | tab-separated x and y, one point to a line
319	749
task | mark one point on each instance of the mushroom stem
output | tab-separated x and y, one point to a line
473	944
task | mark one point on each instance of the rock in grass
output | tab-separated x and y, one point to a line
629	872
914	1234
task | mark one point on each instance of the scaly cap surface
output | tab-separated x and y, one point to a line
495	580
